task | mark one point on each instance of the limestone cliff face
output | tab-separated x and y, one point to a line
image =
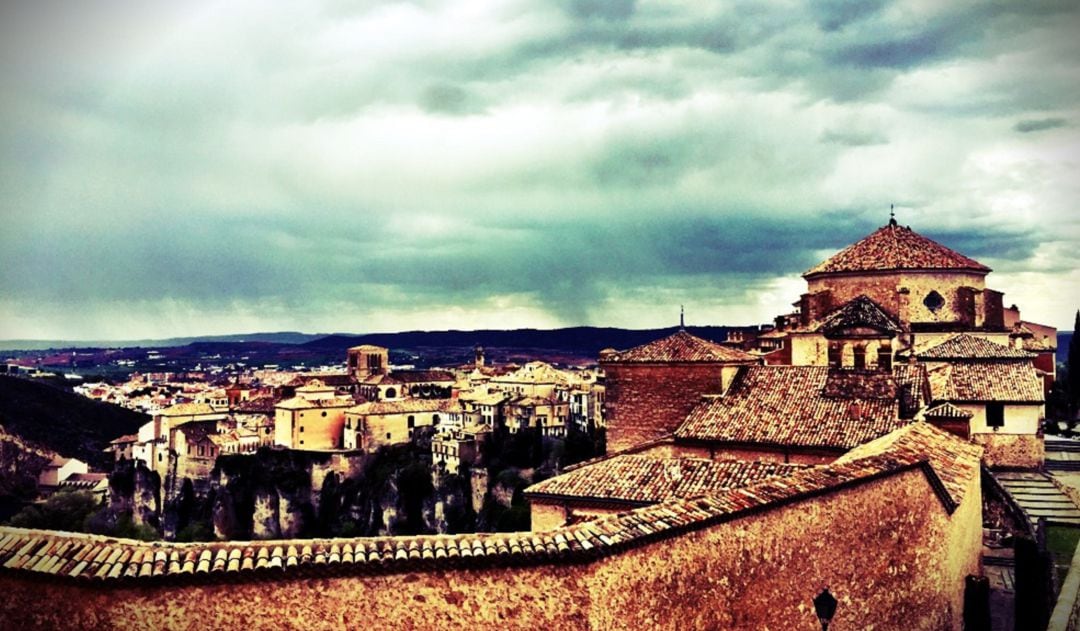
135	490
264	519
275	493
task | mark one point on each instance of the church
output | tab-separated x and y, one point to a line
893	329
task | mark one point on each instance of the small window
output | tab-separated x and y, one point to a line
301	428
435	418
301	442
324	413
836	354
934	301
412	421
860	356
387	435
995	415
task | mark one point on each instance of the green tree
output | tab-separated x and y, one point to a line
66	510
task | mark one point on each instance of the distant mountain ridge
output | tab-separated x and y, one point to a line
282	337
582	339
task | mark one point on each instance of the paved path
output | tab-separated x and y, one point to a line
1038	497
1062	454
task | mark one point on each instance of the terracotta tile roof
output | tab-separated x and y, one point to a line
947	410
300	403
258	405
380	379
795	406
127	438
858	312
188	409
97	559
641	479
484	398
972	381
535	373
895	247
966	346
422	376
681	347
955	461
404	406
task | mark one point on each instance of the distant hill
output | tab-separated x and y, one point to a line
586	340
63	421
284	337
1064	338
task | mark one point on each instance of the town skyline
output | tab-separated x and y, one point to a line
209	168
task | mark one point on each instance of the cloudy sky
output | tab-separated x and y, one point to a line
179	168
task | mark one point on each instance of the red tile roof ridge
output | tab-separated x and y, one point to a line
681	346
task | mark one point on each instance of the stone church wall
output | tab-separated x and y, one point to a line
883	288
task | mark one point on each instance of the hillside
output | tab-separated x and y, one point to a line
584	340
63	421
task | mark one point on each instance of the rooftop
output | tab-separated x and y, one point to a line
858	312
975	381
188	409
680	347
300	403
947	410
535	373
954	460
403	406
894	247
641	479
967	346
805	406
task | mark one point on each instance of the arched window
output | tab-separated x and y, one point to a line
411	421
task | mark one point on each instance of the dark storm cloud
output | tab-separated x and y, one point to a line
576	161
1031	125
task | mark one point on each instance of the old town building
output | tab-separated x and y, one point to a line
651	388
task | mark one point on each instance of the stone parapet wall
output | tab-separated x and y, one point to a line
691	564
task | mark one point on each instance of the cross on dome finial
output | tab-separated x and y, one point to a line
892	214
682	317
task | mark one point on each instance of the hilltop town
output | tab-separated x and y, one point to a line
877	444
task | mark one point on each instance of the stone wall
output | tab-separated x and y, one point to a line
883	288
896	564
648	401
1021	451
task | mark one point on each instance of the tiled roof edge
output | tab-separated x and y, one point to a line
118	562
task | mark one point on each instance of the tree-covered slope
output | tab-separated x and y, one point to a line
63	421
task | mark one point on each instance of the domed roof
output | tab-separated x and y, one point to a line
895	247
